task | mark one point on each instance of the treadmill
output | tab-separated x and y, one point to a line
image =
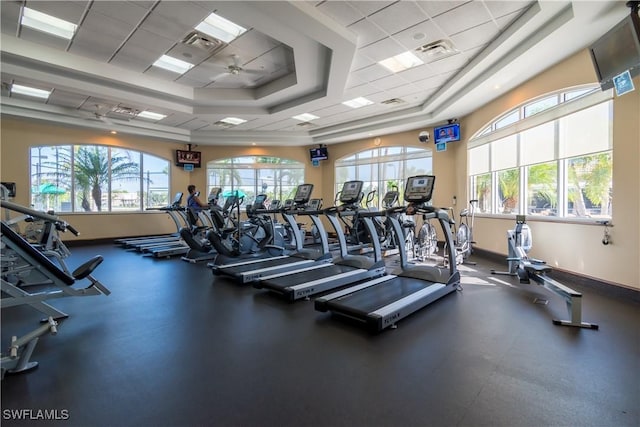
380	303
343	270
246	271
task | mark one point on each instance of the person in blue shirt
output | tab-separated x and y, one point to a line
193	201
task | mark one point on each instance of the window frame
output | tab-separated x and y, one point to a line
569	101
369	158
69	169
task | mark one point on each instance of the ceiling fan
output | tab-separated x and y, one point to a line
235	69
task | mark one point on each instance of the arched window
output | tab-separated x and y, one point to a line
551	156
382	168
252	175
96	178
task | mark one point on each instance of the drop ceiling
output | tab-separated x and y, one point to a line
296	57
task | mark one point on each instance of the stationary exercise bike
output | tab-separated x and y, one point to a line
519	243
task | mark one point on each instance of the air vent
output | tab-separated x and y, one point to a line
437	50
122	112
200	41
393	101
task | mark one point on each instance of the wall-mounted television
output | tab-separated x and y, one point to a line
185	157
617	51
446	133
319	153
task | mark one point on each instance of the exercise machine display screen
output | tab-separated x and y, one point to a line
260	199
303	193
351	192
214	193
419	188
389	198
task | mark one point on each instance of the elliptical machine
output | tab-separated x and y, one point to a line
464	234
196	236
254	237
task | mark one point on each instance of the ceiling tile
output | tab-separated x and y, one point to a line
382	49
389	82
502	8
341	12
193	124
475	36
182	13
124	11
135	58
95	46
371	73
462	18
398	16
435	8
165	27
43	38
369	7
367	32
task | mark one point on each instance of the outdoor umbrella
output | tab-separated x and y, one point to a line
49	188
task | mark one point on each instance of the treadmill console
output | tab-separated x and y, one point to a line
258	203
351	191
419	189
303	194
314	204
177	200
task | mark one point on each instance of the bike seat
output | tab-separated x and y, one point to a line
464	212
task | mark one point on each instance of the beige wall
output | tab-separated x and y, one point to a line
572	247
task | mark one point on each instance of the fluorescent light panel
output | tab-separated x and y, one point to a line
151	115
30	91
47	23
306	117
173	64
220	28
358	102
401	62
233	120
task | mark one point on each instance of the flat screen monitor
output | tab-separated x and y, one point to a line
351	192
419	189
617	51
447	133
319	153
193	158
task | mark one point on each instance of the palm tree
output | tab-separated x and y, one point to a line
483	192
509	185
93	168
542	180
590	176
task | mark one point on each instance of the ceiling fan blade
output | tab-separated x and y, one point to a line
255	72
220	76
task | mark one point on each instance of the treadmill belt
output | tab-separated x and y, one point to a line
305	276
268	262
367	300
